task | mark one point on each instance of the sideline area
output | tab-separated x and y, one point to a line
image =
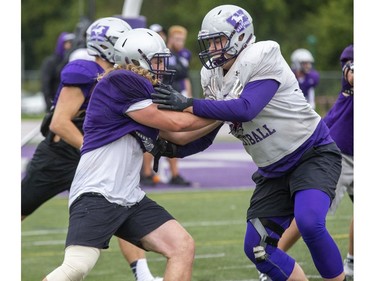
224	164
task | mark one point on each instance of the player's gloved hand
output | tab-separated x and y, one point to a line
168	98
348	71
347	79
162	148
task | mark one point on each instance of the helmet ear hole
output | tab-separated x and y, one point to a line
135	62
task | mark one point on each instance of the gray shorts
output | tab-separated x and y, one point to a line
93	221
345	183
319	168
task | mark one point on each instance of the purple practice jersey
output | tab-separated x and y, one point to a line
185	53
106	119
339	119
308	82
340	122
82	74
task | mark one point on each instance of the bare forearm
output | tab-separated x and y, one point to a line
182	138
70	134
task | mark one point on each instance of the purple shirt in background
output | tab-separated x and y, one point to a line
82	74
106	120
310	80
339	119
185	53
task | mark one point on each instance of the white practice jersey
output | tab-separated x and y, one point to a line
269	136
112	170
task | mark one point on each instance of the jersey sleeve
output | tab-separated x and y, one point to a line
79	72
131	87
263	60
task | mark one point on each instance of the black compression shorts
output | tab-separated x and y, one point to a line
319	168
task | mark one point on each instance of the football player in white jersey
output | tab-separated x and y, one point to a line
251	87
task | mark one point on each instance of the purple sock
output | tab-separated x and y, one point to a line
310	210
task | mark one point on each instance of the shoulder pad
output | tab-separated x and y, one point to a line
80	72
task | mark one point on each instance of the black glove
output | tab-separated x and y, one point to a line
158	149
162	148
168	98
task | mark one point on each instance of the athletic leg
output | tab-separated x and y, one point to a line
278	265
137	260
289	237
78	262
312	225
349	260
49	172
176	244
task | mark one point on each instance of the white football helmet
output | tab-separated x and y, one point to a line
102	35
139	46
299	57
230	21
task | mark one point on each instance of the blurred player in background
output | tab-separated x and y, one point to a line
308	78
159	29
340	120
50	71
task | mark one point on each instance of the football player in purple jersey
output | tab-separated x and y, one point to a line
122	123
251	86
51	169
307	76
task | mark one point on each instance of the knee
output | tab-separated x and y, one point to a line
188	246
184	249
276	263
78	262
251	240
310	227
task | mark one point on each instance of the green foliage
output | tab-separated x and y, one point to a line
324	27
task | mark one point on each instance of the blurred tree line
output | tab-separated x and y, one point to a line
323	27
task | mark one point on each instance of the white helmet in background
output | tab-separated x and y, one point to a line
102	35
299	57
230	21
139	46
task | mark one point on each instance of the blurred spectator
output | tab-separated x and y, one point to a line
50	74
160	30
179	61
307	76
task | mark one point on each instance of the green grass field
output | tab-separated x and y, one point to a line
215	218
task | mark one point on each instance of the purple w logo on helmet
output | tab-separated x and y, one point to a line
98	32
239	21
